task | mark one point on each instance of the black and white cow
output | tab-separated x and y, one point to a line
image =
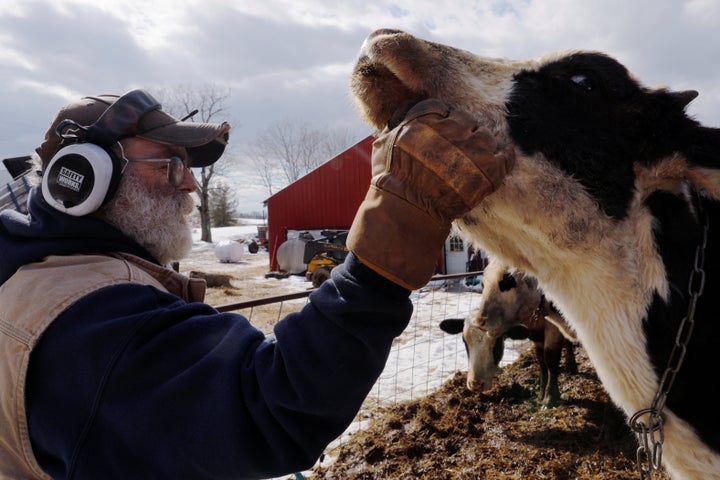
605	207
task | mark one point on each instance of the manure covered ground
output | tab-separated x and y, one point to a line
499	434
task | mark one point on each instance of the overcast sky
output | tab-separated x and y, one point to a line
290	60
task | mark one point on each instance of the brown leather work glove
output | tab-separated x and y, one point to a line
435	166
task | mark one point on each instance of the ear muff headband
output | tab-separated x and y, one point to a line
118	121
77	179
121	119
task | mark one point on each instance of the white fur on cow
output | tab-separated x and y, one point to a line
602	208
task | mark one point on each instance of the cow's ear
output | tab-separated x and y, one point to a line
683	98
452	325
696	160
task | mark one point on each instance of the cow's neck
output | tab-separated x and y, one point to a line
583	260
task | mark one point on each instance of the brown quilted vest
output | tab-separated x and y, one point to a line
29	301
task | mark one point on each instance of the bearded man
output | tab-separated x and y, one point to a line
112	367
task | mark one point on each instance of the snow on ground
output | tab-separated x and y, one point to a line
203	258
423	357
247	231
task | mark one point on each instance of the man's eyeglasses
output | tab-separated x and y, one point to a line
175	168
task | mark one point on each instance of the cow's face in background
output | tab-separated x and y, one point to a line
484	351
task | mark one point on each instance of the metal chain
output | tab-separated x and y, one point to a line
651	435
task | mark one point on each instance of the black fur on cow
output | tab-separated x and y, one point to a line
605	207
586	114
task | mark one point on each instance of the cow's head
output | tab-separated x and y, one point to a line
484	351
593	145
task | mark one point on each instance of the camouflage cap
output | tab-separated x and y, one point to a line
205	142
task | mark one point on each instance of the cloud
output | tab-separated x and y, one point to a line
291	59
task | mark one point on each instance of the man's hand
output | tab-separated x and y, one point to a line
435	166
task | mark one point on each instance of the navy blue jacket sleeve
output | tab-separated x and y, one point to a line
131	382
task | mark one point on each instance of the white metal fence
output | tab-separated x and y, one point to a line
422	358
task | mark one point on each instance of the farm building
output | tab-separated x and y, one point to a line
328	198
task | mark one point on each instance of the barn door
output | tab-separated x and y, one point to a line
456	255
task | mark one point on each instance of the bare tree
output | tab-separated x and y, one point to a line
288	145
204	103
290	150
335	141
266	168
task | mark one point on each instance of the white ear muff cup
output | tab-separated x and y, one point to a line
78	178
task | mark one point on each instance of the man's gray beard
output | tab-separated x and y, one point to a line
155	220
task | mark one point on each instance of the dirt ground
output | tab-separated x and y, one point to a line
456	434
247	282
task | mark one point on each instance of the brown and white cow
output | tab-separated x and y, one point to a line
606	207
513	306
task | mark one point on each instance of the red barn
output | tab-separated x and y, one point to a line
326	198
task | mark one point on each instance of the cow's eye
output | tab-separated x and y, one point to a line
582	81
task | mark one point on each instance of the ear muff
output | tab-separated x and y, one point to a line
83	176
80	178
